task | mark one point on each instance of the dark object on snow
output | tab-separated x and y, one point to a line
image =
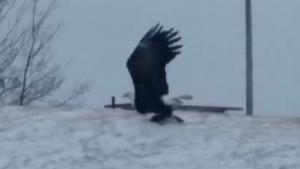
196	108
146	66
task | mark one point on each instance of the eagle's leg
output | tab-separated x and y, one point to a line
164	113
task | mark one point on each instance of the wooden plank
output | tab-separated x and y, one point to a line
197	108
127	106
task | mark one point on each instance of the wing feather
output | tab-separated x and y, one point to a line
155	50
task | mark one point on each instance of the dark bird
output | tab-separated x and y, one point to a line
147	66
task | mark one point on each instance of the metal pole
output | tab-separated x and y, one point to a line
249	59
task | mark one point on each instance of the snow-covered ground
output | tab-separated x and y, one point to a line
37	138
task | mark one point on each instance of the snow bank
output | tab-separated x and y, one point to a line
37	138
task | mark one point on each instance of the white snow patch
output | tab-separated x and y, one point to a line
35	138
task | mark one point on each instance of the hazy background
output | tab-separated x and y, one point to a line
98	36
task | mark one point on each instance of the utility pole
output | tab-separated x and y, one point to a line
249	59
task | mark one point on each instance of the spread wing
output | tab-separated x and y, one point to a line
148	61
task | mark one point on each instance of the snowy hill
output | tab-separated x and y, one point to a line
37	138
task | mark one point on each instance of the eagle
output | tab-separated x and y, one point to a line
147	68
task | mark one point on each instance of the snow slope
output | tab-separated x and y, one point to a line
38	138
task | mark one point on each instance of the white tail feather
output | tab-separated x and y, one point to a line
173	101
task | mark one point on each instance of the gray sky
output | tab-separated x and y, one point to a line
99	35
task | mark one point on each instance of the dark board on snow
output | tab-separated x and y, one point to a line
197	108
